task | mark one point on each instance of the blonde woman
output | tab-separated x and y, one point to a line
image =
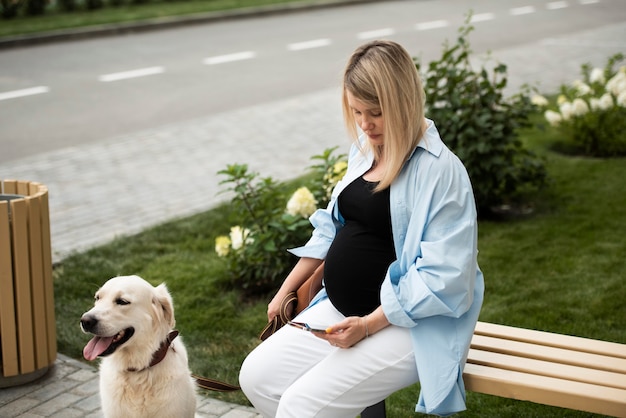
402	287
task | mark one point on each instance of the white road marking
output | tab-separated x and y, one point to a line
379	33
554	5
141	72
517	11
24	92
316	43
482	17
237	56
435	24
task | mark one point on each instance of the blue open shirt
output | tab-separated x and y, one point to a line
435	286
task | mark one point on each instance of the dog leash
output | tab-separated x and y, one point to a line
214	385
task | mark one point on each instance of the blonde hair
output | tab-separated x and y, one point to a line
382	74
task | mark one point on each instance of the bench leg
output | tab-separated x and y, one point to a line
375	411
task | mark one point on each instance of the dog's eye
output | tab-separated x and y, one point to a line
121	301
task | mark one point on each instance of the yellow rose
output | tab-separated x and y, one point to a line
302	203
222	245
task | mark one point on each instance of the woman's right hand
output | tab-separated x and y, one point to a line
302	271
273	308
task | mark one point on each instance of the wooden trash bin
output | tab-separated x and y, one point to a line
27	323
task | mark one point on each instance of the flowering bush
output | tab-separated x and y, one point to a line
266	223
592	111
481	126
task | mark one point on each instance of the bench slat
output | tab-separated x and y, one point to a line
552	354
545	390
550	339
546	368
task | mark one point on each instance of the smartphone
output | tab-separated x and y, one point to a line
307	327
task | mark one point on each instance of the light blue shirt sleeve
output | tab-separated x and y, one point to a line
435	269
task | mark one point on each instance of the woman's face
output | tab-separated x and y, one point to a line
369	119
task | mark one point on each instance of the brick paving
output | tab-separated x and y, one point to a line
128	183
70	389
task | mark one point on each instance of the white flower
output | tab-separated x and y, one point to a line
621	99
617	84
597	76
567	110
561	99
580	107
554	118
606	101
539	100
581	87
239	236
222	245
302	203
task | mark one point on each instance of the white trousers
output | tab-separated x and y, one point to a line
294	374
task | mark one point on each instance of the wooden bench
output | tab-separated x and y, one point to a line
546	368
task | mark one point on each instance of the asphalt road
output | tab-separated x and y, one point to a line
70	93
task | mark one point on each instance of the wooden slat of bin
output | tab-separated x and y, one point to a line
551	339
10	186
37	279
8	330
547	368
552	354
23	187
47	274
545	390
21	285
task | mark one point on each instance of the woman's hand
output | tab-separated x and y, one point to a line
273	308
298	275
353	329
346	333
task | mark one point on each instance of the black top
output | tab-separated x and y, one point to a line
362	250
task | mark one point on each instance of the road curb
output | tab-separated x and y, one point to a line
170	22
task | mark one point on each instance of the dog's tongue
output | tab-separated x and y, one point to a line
96	346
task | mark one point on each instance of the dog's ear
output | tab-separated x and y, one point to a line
163	301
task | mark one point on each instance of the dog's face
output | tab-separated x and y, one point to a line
129	313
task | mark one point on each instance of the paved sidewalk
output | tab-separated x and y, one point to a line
70	390
128	183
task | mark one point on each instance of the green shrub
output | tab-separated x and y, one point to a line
94	4
36	7
67	5
481	126
265	223
10	8
591	111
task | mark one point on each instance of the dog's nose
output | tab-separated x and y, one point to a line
88	322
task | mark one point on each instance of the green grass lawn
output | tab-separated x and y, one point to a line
55	19
559	269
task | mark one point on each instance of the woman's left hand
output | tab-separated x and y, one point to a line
346	333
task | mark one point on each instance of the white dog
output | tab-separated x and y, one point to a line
144	371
